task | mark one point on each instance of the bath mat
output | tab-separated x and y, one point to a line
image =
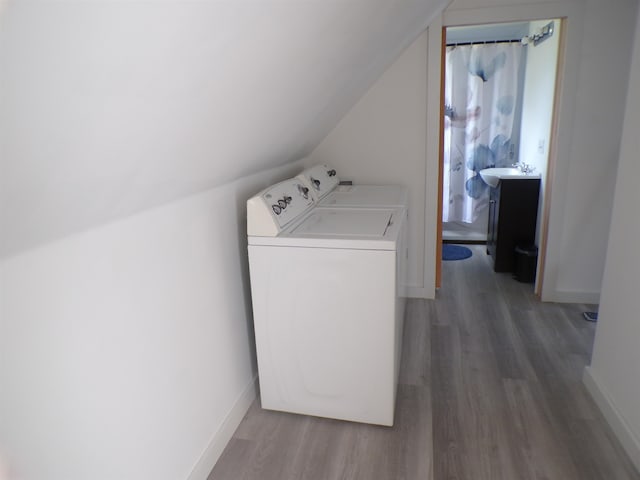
455	252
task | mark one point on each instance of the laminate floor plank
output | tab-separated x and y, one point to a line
529	328
324	450
490	388
402	452
232	463
449	450
545	453
488	435
276	448
415	365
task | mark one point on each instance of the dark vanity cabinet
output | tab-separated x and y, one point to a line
513	212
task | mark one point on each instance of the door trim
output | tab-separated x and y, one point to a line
443	52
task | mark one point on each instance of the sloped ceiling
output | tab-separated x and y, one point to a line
111	107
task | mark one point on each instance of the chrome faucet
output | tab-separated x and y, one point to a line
524	167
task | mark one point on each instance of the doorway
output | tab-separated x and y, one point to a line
511	123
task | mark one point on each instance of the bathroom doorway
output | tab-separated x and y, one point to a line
497	110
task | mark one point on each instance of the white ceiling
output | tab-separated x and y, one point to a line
111	107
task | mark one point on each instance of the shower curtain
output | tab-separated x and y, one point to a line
481	89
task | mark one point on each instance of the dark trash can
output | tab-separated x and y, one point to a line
526	262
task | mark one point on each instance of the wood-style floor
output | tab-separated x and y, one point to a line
490	389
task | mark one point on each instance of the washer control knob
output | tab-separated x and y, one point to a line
316	183
287	199
331	173
276	209
282	204
304	191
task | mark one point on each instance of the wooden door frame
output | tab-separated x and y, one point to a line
443	51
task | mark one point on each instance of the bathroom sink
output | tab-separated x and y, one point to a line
492	176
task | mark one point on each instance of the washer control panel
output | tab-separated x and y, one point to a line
273	208
320	180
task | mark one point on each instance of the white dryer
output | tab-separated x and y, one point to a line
328	320
324	184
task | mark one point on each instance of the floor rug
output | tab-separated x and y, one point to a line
454	252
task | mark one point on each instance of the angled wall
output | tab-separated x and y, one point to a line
109	108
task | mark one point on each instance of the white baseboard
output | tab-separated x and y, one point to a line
572	297
612	415
220	439
418	292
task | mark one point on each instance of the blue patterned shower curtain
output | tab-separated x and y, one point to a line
481	90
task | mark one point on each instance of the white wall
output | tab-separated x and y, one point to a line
589	132
537	106
614	376
593	156
537	102
382	141
124	348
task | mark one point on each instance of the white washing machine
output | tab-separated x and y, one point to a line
324	183
327	313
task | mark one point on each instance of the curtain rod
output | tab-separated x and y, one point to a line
484	42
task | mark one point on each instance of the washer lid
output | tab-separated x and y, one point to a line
344	222
367	196
349	228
